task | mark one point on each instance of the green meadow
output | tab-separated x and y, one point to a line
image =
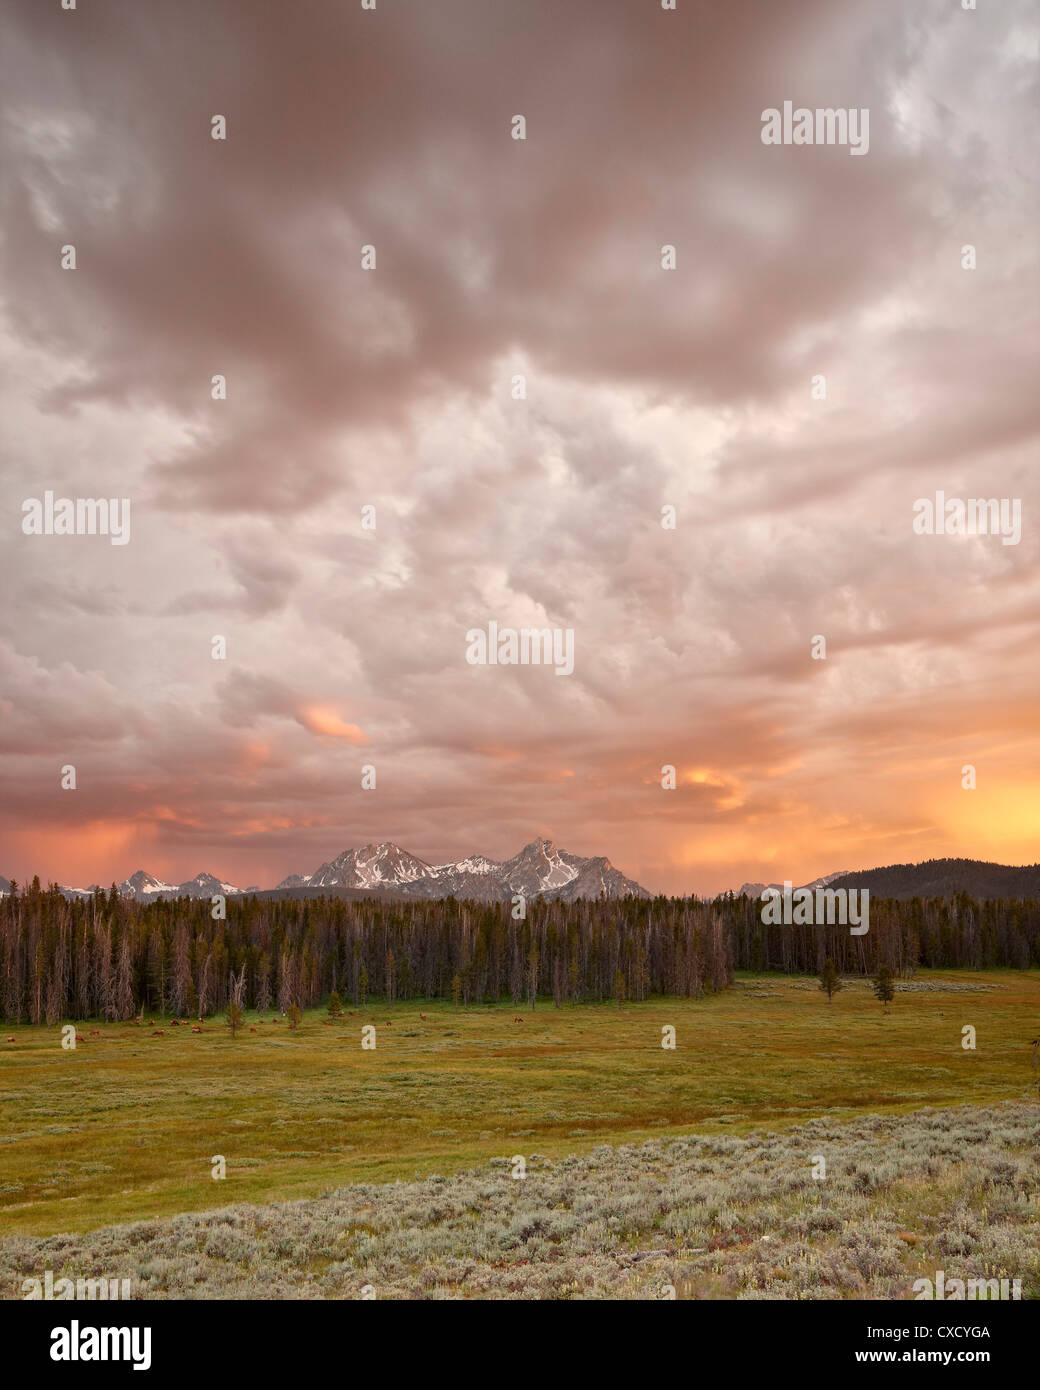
125	1127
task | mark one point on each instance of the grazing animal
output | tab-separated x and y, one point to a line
196	1029
10	1039
518	1019
388	1023
79	1037
423	1017
174	1023
159	1033
95	1032
252	1029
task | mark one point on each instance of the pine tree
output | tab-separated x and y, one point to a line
234	1015
532	975
884	986
335	1005
757	961
294	1016
830	981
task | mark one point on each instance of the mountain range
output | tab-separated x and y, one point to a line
540	867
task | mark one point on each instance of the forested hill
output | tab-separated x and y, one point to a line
945	878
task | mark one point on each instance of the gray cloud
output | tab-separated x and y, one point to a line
392	389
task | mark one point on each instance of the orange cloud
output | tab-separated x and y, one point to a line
320	720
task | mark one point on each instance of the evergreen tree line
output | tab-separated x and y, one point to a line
113	958
957	932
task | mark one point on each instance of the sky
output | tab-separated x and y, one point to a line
394	388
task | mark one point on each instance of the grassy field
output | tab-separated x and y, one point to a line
708	1216
124	1127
